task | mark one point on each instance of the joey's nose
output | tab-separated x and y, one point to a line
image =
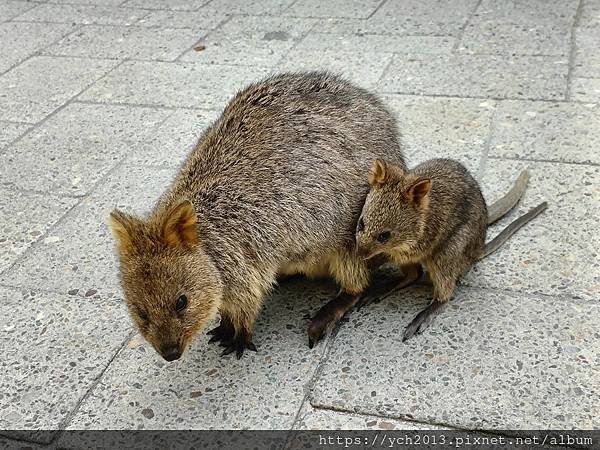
171	353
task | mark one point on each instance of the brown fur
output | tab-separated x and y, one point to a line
277	184
433	215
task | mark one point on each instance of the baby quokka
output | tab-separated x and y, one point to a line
434	216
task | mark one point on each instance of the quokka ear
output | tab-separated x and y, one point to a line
379	172
180	227
123	227
417	192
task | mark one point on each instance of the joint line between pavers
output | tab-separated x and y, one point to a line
12	19
67	420
376	9
573	50
485	151
462	29
39	123
204	37
70	211
284	58
38	52
551	161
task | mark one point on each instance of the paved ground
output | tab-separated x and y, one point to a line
100	101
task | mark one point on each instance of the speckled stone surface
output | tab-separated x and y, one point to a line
125	42
21	40
177	85
493	76
368	43
562	132
251	40
13	8
364	68
334	8
442	127
65	262
41	84
489	360
203	390
325	419
77	146
52	352
204	19
83	14
557	253
24	218
171	141
9	131
586	90
183	5
587	59
547	39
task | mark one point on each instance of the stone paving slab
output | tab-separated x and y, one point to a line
490	360
89	2
557	253
367	43
426	16
47	368
203	390
404	25
335	8
173	140
77	146
252	7
40	85
180	85
12	8
83	14
590	14
9	131
183	5
125	42
199	21
24	218
325	419
562	132
364	68
518	77
587	57
586	90
21	40
531	11
550	39
64	261
253	41
443	128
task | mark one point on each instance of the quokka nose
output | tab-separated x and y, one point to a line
171	353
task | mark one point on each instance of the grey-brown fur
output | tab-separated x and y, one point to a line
276	184
433	215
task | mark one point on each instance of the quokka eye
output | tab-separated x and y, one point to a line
143	315
383	236
181	304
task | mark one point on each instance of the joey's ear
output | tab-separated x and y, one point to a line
123	227
379	172
417	192
180	226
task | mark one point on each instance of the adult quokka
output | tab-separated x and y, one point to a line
274	187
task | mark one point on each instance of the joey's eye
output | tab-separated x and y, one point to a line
361	225
383	236
181	303
143	315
